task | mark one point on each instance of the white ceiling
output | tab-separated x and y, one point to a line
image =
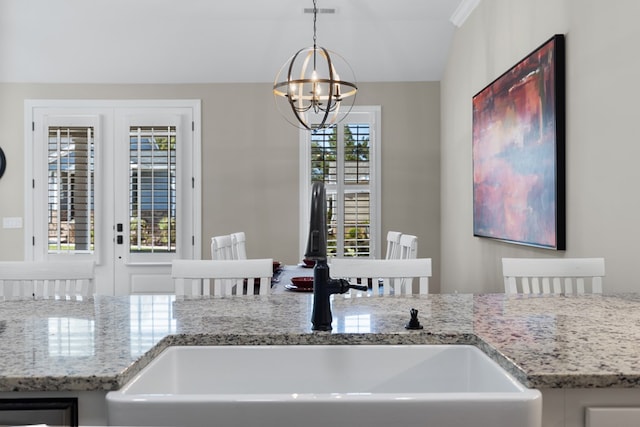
202	41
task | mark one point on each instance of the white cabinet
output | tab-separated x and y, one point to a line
596	407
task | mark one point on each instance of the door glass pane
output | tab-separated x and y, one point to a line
152	189
70	191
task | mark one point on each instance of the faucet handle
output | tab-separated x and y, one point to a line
345	285
341	286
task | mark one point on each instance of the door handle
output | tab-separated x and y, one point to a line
119	229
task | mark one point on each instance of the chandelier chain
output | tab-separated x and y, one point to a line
315	14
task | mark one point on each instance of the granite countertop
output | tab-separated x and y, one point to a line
544	341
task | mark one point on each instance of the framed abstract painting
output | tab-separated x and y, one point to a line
519	152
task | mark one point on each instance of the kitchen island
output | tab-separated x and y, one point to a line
558	344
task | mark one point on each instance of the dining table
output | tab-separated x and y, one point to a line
281	281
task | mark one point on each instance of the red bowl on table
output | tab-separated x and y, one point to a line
302	282
309	263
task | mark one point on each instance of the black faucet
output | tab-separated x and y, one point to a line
323	284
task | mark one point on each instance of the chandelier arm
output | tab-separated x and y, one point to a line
297	110
327	110
301	120
289	72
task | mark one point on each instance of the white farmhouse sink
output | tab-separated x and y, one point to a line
339	385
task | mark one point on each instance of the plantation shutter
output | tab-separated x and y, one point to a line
71	155
152	189
340	157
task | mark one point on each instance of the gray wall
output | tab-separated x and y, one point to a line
602	144
250	160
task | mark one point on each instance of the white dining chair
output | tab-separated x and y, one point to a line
553	275
238	245
221	277
393	245
221	247
386	276
408	247
60	280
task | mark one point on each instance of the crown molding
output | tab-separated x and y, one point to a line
463	11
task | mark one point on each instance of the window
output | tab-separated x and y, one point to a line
346	159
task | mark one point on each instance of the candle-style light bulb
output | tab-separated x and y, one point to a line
336	85
292	88
315	90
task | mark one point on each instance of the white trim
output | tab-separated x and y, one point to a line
304	191
376	153
196	167
109	103
28	180
103	113
89	118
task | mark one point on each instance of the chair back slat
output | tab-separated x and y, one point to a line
546	285
221	247
74	280
222	277
385	276
596	284
393	245
408	246
238	245
535	285
557	275
423	287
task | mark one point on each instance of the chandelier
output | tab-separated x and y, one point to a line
309	86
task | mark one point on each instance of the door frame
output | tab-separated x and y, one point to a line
97	107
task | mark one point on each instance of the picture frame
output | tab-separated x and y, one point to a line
518	150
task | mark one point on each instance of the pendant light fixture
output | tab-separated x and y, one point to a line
308	90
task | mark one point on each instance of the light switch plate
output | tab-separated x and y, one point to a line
12	222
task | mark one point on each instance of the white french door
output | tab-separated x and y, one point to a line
117	182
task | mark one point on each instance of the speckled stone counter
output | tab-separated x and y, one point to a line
544	341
